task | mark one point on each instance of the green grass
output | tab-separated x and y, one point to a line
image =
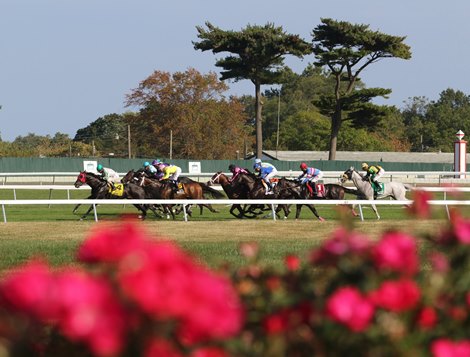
55	233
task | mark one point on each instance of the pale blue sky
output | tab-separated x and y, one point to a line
64	63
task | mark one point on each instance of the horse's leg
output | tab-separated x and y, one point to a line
76	207
87	212
375	210
314	211
298	209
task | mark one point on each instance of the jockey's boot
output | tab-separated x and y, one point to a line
175	186
111	184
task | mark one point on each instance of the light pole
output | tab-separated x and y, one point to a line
278	119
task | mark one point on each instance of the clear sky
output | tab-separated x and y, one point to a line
65	63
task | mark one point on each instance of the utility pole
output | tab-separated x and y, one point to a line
171	144
129	140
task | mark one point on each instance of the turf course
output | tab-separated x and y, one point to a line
55	233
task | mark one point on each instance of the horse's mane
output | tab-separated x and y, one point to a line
93	175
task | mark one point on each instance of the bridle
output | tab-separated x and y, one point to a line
215	178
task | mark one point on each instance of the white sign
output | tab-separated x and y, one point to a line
90	166
194	167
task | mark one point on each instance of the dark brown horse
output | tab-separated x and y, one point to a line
294	189
164	190
232	192
101	190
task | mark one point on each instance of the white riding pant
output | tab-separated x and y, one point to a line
379	175
175	176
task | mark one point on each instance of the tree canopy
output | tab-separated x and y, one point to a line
346	49
191	108
257	54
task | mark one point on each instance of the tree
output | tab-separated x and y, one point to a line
192	107
105	133
257	54
346	50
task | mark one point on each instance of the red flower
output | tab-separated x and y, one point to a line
397	296
275	324
396	252
439	262
209	352
446	348
160	348
292	262
349	307
427	318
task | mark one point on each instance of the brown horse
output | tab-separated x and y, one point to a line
164	190
232	192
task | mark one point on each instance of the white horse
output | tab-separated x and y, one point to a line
396	190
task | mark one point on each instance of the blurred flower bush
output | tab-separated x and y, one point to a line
133	295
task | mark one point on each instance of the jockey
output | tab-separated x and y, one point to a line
156	163
109	175
374	172
236	170
309	174
170	172
150	169
266	172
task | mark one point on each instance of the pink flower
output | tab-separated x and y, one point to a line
427	318
446	348
397	296
292	262
461	228
420	207
349	307
90	312
396	252
341	243
30	289
439	262
110	244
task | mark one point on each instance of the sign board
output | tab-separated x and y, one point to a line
194	167
90	166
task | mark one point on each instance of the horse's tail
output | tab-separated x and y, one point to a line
210	191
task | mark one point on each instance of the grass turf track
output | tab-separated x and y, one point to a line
55	233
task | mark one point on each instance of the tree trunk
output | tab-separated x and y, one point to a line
335	126
259	121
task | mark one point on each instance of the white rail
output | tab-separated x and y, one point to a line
273	203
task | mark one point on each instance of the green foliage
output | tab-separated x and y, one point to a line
346	50
257	54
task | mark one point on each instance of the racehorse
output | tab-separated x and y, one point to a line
256	190
101	190
293	189
394	189
164	190
237	192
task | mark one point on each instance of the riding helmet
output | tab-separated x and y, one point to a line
257	161
146	163
365	166
231	167
156	162
99	167
303	166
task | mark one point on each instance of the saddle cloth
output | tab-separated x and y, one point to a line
118	191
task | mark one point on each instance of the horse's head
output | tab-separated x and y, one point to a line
216	178
81	179
128	177
347	175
